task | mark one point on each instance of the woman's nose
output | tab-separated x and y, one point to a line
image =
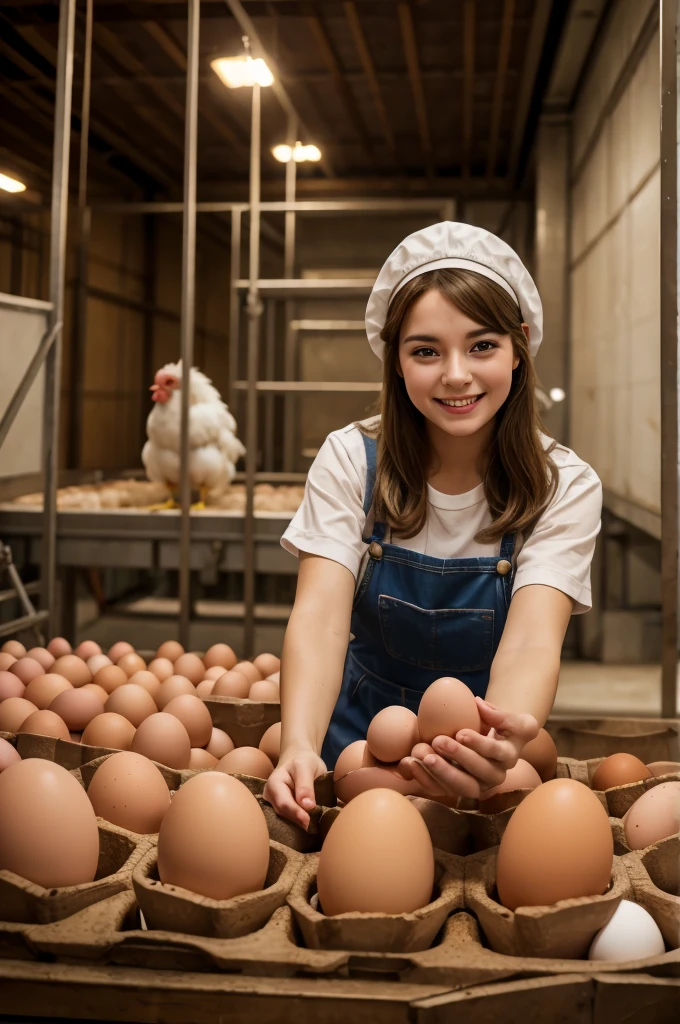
456	370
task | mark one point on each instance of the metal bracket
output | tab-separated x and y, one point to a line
32	618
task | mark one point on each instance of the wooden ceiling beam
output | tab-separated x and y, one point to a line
532	58
499	85
468	82
408	36
361	43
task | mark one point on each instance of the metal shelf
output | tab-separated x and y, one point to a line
284	387
322	288
327	325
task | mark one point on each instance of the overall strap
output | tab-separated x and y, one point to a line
507	546
371	447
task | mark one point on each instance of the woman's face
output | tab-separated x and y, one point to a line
445	357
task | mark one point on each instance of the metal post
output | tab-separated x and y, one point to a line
669	357
270	374
58	228
188	311
290	406
254	310
234	308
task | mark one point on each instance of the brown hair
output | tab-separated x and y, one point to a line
520	477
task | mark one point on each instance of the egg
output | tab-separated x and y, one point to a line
163	738
541	753
191	666
264	691
213	674
42	690
658	768
162	668
194	716
557	845
110	677
506	794
13	647
26	669
73	669
109	730
219	656
49	831
266	664
270	744
10	686
77	707
275	677
232	684
205	688
214	840
132	702
5	661
119	649
14	711
170	650
630	934
131	663
654	816
96	662
42	656
128	790
8	754
173	687
393	733
59	647
148	681
619	770
99	690
246	761
220	743
446	707
45	723
376	858
247	669
87	649
200	758
356	771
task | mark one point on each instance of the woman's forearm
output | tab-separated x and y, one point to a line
525	680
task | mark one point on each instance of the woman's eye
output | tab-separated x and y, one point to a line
490	345
424	352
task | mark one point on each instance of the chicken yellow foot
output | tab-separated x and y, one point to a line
163	506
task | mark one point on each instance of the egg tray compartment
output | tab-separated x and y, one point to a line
650	739
67	753
619	799
655	878
174	777
246	721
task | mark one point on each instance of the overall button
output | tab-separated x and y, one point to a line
504	567
375	550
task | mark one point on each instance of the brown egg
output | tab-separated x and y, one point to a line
512	790
231	684
654	816
194	716
219	744
49	834
45	723
96	662
214	673
619	770
205	688
246	761
657	768
357	771
128	790
110	677
98	690
247	669
59	647
8	754
173	687
270	744
214	839
26	669
446	707
14	711
109	730
556	846
541	753
162	668
266	664
10	686
73	669
358	870
170	650
42	656
148	681
191	666
163	738
132	702
5	661
393	733
131	663
264	691
77	707
14	648
220	656
201	758
275	677
119	649
87	649
42	690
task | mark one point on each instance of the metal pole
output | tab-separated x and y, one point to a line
254	311
58	228
234	307
188	311
270	374
669	358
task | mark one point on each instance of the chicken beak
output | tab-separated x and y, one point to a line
155	387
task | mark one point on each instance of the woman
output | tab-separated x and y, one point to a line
448	537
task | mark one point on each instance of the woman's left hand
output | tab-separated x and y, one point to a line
483	760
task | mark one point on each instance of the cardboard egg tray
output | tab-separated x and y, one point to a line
650	739
246	721
66	753
619	799
655	877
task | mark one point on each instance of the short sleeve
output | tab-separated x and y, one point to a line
559	551
331	518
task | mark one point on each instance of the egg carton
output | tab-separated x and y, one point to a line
619	799
246	721
172	908
655	877
650	739
67	753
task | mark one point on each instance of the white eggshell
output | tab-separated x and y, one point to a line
631	934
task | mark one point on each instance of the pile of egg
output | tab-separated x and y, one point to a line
116	701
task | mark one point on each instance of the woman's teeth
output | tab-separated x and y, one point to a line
459	402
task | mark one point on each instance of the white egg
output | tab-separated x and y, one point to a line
630	934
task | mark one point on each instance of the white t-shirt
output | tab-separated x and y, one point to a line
331	521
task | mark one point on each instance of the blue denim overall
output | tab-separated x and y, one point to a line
416	618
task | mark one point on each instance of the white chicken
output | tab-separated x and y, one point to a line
214	447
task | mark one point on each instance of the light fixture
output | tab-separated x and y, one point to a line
11	184
299	153
557	394
237	72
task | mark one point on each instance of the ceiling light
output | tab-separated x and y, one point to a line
298	153
11	184
237	72
557	394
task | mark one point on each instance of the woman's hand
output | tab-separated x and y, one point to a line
483	760
290	787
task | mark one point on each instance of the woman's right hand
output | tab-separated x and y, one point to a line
290	787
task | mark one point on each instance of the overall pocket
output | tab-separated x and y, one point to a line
447	640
